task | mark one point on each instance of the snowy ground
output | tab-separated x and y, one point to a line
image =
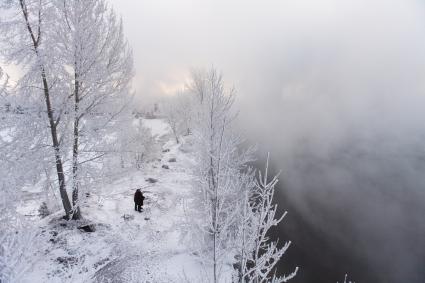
127	246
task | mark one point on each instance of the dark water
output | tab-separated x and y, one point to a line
361	213
319	257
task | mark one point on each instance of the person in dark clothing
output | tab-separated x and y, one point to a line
138	200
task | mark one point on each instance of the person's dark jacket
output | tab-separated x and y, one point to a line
138	197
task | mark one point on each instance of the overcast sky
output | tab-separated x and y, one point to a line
251	40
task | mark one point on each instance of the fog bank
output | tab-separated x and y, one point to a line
335	91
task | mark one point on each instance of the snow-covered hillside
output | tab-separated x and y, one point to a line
127	246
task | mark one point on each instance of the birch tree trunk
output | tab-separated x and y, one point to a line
35	40
75	174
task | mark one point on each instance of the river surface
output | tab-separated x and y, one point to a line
355	212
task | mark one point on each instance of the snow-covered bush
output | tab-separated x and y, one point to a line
16	236
136	145
17	245
179	110
43	210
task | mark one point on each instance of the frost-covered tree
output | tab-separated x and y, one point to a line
26	32
77	69
100	67
221	172
4	83
136	144
171	113
15	235
258	253
5	105
178	111
199	84
234	211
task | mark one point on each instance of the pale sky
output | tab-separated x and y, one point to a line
256	43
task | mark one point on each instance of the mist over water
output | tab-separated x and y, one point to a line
342	113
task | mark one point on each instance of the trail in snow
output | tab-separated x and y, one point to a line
128	246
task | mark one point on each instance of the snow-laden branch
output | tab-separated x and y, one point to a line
234	212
